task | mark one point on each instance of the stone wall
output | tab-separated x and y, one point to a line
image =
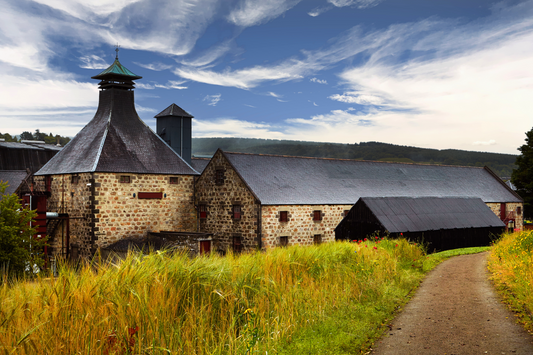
511	211
300	228
219	199
121	212
102	210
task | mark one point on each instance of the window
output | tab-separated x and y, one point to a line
317	216
346	212
125	179
283	241
203	211
283	216
519	210
236	212
48	182
174	180
317	239
219	176
237	244
75	179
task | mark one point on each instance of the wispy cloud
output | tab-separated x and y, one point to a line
360	4
273	94
254	12
169	85
354	97
213	99
93	62
231	127
319	81
489	142
154	66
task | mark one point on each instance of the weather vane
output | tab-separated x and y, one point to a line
116	50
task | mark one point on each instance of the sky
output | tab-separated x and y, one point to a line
435	74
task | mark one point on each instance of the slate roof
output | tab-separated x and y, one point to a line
117	140
199	164
14	178
174	110
407	214
279	180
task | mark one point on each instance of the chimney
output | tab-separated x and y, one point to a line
174	126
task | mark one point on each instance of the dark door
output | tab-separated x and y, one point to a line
205	246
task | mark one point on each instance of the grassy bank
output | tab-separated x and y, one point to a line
334	298
511	263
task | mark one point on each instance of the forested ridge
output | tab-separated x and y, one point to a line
501	164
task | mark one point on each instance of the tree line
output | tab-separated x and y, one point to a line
501	164
36	136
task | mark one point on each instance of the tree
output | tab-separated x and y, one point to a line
19	251
522	176
26	136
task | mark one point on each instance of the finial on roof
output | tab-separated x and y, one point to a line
116	50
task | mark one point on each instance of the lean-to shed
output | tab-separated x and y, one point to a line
441	223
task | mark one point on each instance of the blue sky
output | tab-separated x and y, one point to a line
436	74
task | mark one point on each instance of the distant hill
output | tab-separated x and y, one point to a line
501	164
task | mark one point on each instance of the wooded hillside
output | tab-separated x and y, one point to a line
501	164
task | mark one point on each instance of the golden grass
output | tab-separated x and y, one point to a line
171	304
511	263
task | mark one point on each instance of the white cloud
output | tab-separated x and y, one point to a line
170	85
319	81
242	78
231	127
213	99
154	66
318	11
360	4
354	97
254	12
93	62
490	142
273	94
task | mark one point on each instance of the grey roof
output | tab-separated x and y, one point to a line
14	179
117	140
277	180
199	164
28	145
174	110
407	214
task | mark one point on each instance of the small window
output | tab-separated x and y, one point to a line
48	182
283	216
219	176
346	212
519	210
317	239
237	244
283	241
317	216
236	212
174	180
203	211
75	179
126	179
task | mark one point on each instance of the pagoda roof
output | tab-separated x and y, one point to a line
117	69
116	140
174	110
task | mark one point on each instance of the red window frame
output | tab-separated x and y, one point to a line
174	180
202	209
519	210
125	179
317	216
283	216
236	212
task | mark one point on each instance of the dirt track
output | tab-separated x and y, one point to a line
455	311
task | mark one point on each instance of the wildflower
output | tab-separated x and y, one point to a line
377	238
365	239
396	245
375	247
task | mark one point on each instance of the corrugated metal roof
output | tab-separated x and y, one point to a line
117	140
14	178
278	180
174	110
408	214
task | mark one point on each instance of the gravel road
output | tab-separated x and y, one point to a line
455	311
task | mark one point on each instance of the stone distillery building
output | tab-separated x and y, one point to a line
119	180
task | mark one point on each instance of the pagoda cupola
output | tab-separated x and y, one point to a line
116	76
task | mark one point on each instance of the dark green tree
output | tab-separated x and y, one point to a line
19	250
26	136
522	176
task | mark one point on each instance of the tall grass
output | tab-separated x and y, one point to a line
511	263
172	304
